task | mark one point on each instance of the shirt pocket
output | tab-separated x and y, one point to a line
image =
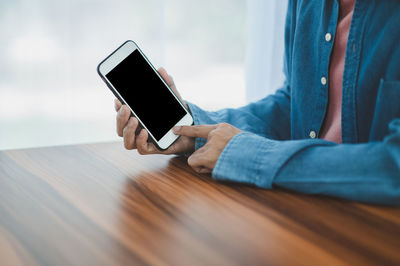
387	108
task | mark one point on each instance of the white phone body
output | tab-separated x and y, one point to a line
114	60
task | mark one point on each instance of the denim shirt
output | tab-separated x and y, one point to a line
278	146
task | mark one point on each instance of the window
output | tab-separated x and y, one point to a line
50	93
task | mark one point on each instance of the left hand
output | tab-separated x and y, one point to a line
204	159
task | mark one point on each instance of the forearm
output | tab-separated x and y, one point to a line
363	172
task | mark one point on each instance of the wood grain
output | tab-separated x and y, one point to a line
99	204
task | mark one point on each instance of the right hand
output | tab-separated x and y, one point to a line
127	125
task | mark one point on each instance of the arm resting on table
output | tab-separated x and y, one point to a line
367	172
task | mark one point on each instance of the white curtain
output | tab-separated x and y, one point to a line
265	46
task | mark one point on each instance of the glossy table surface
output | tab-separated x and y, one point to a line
98	204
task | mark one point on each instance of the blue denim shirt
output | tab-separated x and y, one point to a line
275	148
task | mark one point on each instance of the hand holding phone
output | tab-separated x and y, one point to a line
136	84
127	127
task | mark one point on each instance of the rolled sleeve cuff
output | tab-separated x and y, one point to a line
200	117
252	159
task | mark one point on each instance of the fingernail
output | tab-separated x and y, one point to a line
177	129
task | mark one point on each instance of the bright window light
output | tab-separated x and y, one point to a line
50	93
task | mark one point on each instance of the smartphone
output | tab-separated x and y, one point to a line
136	83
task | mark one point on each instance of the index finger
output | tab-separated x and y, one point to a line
199	131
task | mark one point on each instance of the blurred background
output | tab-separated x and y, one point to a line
221	53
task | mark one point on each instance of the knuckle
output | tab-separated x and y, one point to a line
195	129
125	132
212	133
129	143
119	131
120	119
216	133
128	127
140	150
132	125
127	146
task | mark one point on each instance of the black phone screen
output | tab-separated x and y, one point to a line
146	94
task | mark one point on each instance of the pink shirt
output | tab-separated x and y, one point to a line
331	127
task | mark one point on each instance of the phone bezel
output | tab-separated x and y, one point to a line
110	62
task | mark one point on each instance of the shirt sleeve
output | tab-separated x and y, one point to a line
368	172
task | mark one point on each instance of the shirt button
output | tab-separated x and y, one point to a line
328	37
313	134
323	81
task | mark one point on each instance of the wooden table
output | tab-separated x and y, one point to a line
99	204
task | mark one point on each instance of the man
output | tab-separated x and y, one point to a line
334	126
